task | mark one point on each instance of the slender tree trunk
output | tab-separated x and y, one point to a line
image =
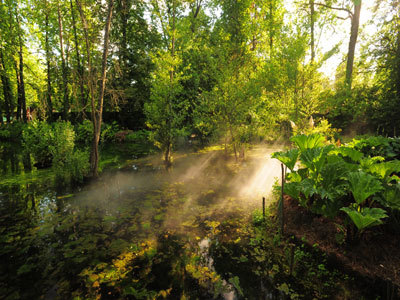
7	92
124	40
19	103
355	21
83	100
167	156
312	13
397	62
48	58
271	30
97	113
63	66
22	100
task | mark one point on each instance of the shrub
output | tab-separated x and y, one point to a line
69	164
12	131
140	136
73	169
38	139
332	179
109	131
84	133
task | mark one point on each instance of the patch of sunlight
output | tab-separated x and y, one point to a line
261	181
212	148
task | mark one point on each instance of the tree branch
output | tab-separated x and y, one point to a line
335	8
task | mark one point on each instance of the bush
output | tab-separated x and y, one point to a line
38	139
84	133
54	145
73	169
138	137
139	143
108	132
12	131
70	165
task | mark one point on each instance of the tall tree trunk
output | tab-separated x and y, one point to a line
7	92
21	95
168	146
271	31
97	112
355	22
19	103
48	58
83	100
312	21
124	40
397	61
63	66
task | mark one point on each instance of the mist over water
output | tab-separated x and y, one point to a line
204	182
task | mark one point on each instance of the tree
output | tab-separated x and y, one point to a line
165	111
355	21
96	111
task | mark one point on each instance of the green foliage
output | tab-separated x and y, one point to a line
390	197
70	164
288	158
12	131
109	131
38	139
363	185
304	142
331	174
138	137
389	148
365	217
84	133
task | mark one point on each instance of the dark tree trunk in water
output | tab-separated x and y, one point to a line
7	92
355	21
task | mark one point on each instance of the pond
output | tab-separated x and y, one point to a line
138	232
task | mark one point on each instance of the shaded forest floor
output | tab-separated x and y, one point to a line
375	257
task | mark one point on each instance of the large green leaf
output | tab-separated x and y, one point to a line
308	187
288	158
366	217
363	185
334	179
293	189
308	141
315	158
353	154
391	196
385	169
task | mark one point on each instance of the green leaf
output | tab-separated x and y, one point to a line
308	141
293	189
366	217
363	185
349	152
288	158
385	169
307	187
391	197
315	158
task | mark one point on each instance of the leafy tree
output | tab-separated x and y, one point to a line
165	111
